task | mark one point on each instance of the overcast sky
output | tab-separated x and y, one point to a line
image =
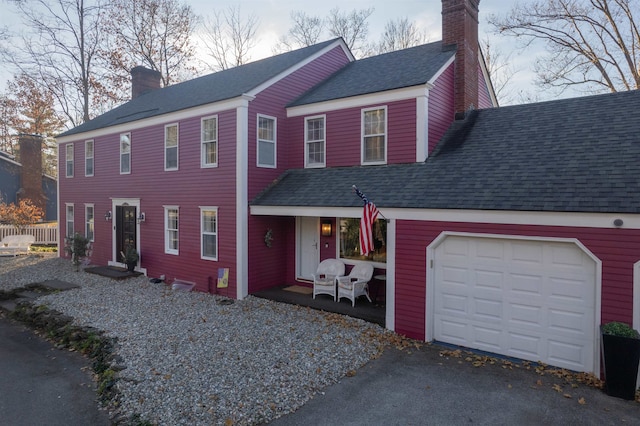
274	21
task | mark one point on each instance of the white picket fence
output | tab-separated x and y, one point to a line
45	233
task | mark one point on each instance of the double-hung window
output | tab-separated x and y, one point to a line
350	240
209	140
209	231
69	159
314	138
88	158
89	221
171	147
266	141
69	220
374	135
171	235
125	153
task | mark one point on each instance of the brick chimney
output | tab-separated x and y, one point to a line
144	80
460	28
31	170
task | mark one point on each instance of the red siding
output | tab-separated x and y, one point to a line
441	110
484	100
617	249
189	188
276	265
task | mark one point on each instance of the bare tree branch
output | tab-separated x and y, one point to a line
401	34
352	27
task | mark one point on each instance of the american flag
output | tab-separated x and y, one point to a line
369	215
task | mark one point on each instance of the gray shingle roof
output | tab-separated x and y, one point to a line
570	155
207	89
394	70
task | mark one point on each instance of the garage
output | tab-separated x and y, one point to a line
524	298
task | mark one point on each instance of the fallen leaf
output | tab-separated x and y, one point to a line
351	373
509	386
581	401
539	382
566	395
557	388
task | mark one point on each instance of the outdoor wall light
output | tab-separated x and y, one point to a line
325	228
141	218
107	216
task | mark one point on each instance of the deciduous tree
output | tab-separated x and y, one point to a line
353	27
401	34
20	215
592	44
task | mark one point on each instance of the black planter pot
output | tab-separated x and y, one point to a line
621	358
131	266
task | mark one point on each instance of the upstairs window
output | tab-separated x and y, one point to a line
209	140
266	141
69	159
125	153
171	236
374	136
209	231
171	147
88	158
314	138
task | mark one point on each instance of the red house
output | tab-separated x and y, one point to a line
511	230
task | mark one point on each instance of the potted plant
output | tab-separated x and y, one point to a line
130	257
620	346
78	247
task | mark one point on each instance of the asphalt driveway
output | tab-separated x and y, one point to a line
421	387
42	385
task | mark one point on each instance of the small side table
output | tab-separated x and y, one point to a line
381	280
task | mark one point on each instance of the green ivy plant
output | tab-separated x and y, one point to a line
620	329
78	247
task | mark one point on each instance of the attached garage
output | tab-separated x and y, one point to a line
534	299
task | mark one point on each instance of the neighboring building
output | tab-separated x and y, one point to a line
511	230
25	179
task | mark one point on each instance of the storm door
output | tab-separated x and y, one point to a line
125	229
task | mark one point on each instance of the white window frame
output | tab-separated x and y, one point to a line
166	148
274	141
203	210
90	158
307	141
122	154
204	143
69	157
69	219
363	136
167	231
89	222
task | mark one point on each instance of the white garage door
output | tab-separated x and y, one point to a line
527	299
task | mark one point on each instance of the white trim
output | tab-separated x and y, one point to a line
422	127
177	167
442	69
360	101
338	42
132	202
510	217
121	153
66	160
242	201
204	165
430	284
66	220
275	141
306	142
487	79
636	297
390	290
93	157
217	233
93	207
363	112
167	249
208	109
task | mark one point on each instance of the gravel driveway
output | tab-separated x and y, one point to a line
191	359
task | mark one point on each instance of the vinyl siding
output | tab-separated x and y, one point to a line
441	110
484	100
616	248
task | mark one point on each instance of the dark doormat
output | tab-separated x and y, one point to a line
113	272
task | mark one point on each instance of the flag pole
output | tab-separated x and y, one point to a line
366	200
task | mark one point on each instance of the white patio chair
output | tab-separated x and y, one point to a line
355	284
324	280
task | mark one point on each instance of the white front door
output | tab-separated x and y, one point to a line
529	299
307	247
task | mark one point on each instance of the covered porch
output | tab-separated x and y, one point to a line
296	295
